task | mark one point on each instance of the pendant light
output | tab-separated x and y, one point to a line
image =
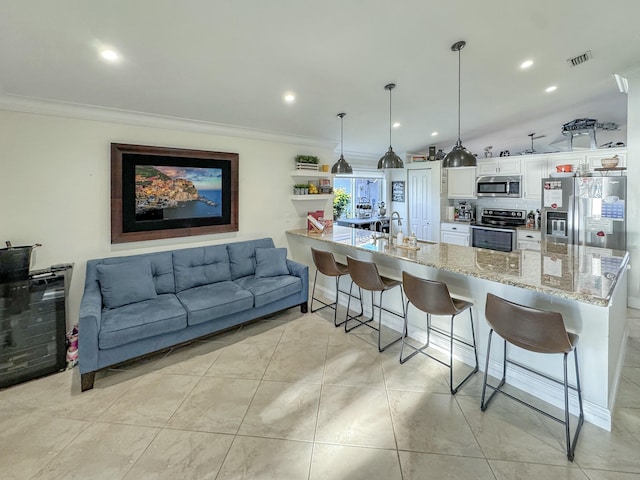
341	166
459	156
390	159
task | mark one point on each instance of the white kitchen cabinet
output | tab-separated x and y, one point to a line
566	159
535	169
455	233
500	166
595	160
461	182
528	239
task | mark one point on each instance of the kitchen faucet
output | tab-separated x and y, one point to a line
394	216
374	234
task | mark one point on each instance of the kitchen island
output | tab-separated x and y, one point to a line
588	286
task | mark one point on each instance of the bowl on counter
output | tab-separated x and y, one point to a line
564	168
611	162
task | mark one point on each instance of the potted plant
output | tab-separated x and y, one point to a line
340	201
300	189
307	159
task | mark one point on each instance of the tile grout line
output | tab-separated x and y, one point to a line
393	426
235	435
315	429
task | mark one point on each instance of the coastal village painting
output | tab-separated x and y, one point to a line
172	192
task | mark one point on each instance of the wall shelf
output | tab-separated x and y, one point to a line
311	174
315	196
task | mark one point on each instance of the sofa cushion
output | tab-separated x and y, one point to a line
242	256
194	267
270	289
125	283
214	300
130	323
271	262
161	268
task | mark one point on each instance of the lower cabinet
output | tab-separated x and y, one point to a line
455	233
528	239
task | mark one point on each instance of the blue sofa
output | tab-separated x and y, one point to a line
140	304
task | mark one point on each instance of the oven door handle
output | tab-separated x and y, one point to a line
482	227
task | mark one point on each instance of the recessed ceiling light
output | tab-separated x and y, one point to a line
526	64
433	134
289	97
550	89
396	125
110	55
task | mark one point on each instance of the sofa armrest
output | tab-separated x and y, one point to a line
302	271
89	326
297	269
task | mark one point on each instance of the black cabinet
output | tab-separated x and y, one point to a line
33	325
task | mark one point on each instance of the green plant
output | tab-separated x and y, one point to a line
340	201
301	185
307	159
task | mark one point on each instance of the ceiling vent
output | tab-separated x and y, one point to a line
580	59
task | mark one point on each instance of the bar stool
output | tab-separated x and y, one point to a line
537	331
433	298
365	275
326	264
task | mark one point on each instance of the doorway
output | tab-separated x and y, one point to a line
419	195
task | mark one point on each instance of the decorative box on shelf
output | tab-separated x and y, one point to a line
312	167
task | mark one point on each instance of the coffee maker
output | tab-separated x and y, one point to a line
466	212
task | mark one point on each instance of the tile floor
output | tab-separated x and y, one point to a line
292	397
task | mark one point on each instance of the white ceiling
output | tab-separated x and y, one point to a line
230	61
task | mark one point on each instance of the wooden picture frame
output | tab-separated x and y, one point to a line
160	192
397	191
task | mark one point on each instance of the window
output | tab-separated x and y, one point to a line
361	189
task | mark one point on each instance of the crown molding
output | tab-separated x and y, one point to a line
111	115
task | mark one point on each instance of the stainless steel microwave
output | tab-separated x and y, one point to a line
499	186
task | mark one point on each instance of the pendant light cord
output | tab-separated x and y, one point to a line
459	63
390	117
341	135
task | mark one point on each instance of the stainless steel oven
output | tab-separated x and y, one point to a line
496	229
493	238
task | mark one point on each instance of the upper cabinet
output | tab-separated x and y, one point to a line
594	159
534	168
538	166
500	166
461	182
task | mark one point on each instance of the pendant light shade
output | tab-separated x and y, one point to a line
459	156
341	166
390	159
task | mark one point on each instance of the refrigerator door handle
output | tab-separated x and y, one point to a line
572	220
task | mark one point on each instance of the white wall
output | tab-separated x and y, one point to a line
55	187
633	186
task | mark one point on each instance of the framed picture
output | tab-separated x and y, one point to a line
418	158
397	191
159	192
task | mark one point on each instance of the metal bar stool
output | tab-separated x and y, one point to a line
537	331
326	264
365	275
433	298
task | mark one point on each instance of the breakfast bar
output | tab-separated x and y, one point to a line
587	285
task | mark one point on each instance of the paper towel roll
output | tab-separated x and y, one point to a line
451	212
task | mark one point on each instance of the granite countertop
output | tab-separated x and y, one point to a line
585	274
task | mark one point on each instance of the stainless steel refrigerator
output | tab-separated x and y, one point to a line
586	211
